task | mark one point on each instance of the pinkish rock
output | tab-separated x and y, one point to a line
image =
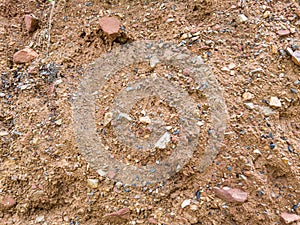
230	194
121	214
110	25
152	220
7	202
31	23
25	55
283	32
289	218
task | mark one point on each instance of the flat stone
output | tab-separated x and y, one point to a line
24	56
145	119
242	18
93	183
102	173
289	218
122	214
40	219
163	141
231	194
107	118
110	25
231	66
274	101
3	133
31	23
153	61
247	96
185	203
267	111
152	220
7	202
283	32
249	105
296	57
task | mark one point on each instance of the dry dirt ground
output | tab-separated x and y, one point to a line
41	167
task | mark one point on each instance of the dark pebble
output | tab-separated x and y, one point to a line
293	90
198	194
294	207
295	47
272	145
176	132
89	4
290	149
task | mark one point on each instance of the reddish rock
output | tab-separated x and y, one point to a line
283	32
289	218
7	202
31	23
152	220
121	214
110	25
25	55
230	194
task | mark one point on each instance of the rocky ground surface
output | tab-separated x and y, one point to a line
252	48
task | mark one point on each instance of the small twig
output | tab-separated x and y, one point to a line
49	27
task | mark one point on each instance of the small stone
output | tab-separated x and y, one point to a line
31	23
231	66
145	119
296	57
125	116
107	118
256	151
283	32
249	105
40	219
242	18
154	61
7	202
225	69
185	203
58	122
3	133
293	30
247	96
119	184
163	141
289	218
274	101
267	111
102	173
274	49
266	14
184	36
152	220
231	194
93	183
200	123
2	95
25	55
110	25
122	214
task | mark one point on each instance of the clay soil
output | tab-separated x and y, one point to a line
41	167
